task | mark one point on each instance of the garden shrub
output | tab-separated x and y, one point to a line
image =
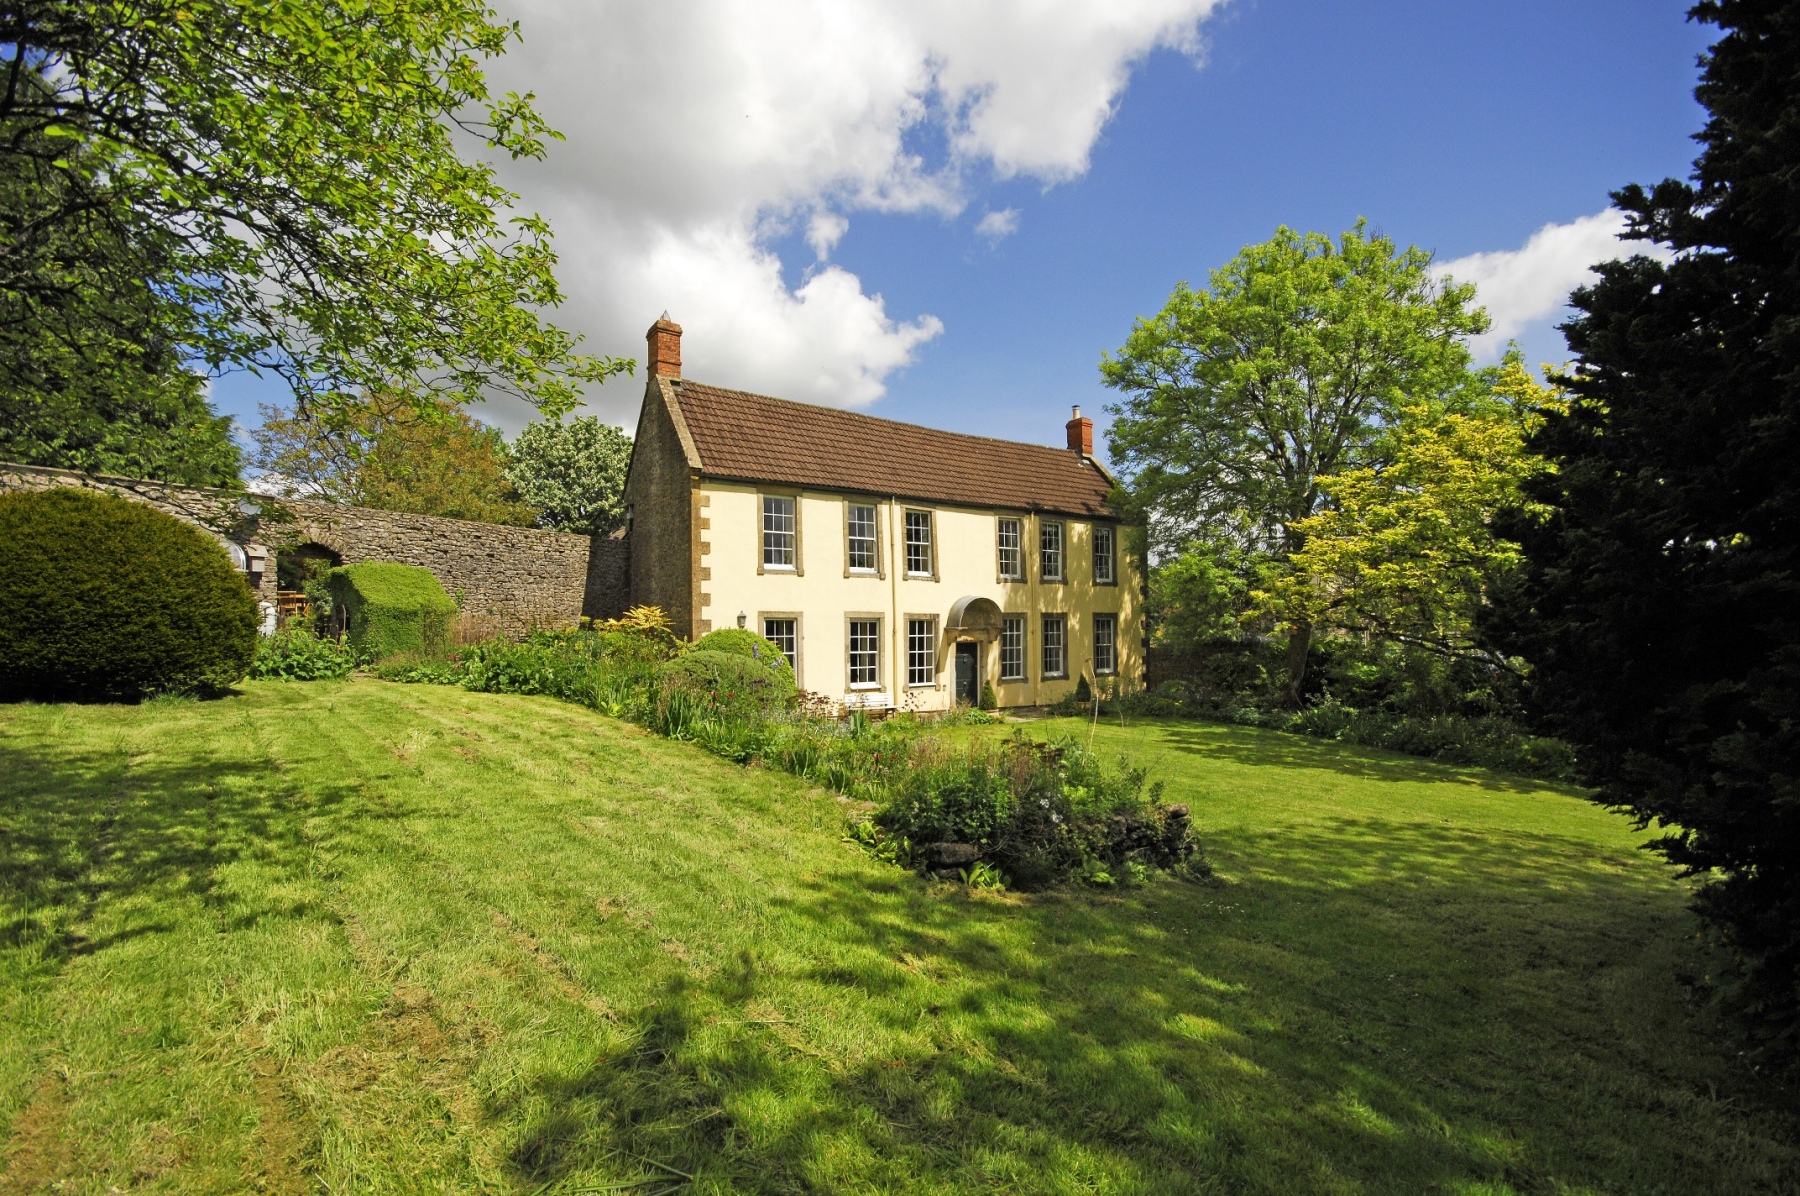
423	667
613	671
740	642
1037	812
1461	710
728	684
1483	741
967	716
987	701
951	796
104	598
392	608
296	653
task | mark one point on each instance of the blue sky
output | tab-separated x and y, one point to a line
1464	128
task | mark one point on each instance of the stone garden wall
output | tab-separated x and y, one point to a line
515	578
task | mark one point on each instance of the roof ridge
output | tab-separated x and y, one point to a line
748	436
879	419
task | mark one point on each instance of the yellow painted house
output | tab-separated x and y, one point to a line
897	566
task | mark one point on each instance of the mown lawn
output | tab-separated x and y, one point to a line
366	937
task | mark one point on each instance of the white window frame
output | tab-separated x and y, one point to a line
1017	526
1106	533
873	569
793	656
1013	627
1106	636
792	564
1061	646
923	518
921	652
1049	529
872	649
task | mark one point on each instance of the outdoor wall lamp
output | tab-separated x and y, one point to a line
742	618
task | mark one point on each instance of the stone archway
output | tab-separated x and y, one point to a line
973	618
297	565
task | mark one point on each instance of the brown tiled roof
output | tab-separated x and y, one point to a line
755	438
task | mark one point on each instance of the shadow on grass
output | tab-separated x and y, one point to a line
86	829
1287	749
1378	1007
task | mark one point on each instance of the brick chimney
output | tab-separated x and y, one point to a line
1081	434
664	338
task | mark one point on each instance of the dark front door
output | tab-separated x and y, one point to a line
966	683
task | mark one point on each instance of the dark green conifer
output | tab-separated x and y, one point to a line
1660	603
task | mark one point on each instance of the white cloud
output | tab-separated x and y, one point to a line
698	131
997	226
824	231
1520	287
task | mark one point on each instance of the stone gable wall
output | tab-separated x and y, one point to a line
608	578
519	578
665	520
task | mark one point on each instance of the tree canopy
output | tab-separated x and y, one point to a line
275	184
1293	366
1660	600
1405	552
573	472
1287	369
89	377
394	458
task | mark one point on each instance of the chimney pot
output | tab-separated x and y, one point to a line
664	340
1081	434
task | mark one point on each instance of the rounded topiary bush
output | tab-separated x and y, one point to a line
103	598
739	642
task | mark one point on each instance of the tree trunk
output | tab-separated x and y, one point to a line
1299	641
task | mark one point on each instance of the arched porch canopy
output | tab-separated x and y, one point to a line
973	618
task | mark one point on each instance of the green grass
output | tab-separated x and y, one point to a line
362	937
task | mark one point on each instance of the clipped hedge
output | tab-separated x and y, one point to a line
103	598
392	608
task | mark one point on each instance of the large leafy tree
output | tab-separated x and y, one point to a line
1660	602
1289	368
448	464
573	472
286	176
1407	552
89	376
394	457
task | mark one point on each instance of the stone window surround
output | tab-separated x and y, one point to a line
1019	526
1023	675
852	617
1062	551
906	647
1045	621
799	566
880	570
1111	556
1111	621
930	574
762	622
